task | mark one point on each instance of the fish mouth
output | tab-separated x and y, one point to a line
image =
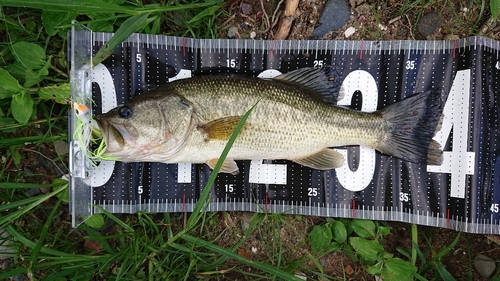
112	133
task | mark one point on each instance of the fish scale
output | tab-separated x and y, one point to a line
461	194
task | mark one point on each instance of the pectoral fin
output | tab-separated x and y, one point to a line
324	159
221	129
228	166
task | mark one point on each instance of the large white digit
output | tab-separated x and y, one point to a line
267	173
100	75
183	74
458	162
360	179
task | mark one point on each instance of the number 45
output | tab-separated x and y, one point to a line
494	208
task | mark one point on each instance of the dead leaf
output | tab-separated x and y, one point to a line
348	269
93	245
244	253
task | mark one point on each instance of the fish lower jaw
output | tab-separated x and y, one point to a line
128	154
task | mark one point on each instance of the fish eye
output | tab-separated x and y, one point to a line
125	112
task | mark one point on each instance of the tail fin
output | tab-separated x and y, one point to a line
411	124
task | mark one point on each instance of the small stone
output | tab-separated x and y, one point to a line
350	31
484	265
232	32
258	236
429	24
323	261
61	147
246	8
27	171
45	190
6	247
245	26
451	37
246	218
382	27
32	192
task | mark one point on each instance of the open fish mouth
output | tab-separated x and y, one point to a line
113	134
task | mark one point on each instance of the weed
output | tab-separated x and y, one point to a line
366	247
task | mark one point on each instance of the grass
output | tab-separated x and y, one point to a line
42	245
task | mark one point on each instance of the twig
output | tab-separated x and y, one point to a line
275	21
247	17
41	154
276	11
486	26
268	24
287	19
409	23
228	20
394	20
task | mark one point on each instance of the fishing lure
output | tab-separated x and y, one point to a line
88	134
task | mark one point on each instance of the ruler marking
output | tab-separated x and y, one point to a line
353	206
362	45
454	47
316	54
272	49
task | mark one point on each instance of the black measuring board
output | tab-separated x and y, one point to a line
463	193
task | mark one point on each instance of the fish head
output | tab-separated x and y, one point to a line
151	127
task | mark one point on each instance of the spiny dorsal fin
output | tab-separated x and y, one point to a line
323	82
324	159
221	129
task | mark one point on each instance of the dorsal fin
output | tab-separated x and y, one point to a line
323	82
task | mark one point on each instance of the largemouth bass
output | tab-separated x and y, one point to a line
191	120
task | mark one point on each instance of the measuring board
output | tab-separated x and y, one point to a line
463	193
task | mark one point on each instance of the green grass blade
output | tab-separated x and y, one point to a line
21	185
262	266
34	255
494	7
18	203
117	220
414	238
55	254
9	273
443	272
6	220
447	249
79	7
30	139
128	27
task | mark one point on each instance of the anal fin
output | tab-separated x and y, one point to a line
228	166
324	159
221	129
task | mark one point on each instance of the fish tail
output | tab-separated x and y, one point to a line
410	125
